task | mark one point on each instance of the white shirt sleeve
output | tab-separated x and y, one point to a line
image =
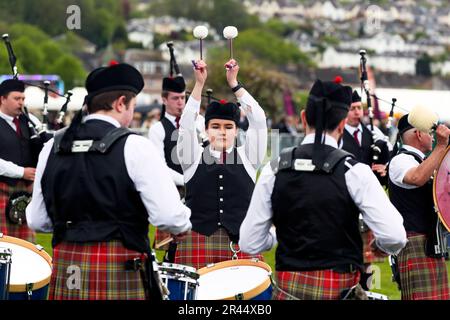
256	135
378	212
10	169
152	180
188	149
399	166
150	176
256	232
156	134
37	216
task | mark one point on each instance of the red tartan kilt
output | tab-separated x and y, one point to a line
422	277
17	231
198	250
312	285
94	271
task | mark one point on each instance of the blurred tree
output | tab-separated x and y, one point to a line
70	69
259	78
268	46
29	55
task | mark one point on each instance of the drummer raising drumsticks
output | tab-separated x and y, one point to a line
220	177
423	272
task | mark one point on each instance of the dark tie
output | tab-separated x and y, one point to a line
17	124
177	121
223	157
355	135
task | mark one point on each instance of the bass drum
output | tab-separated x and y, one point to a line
441	190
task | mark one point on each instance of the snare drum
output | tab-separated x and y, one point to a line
180	280
31	269
5	271
243	279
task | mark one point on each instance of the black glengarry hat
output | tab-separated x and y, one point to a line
222	110
11	85
115	77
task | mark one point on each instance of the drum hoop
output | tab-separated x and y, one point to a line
248	295
32	247
176	266
436	203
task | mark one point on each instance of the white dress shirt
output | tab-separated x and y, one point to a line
146	169
156	134
401	164
7	168
365	190
252	152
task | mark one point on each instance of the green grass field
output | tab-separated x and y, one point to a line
384	285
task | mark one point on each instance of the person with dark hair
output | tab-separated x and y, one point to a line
421	264
313	195
98	186
220	177
17	157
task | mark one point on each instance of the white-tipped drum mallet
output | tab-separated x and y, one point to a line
230	33
423	118
201	32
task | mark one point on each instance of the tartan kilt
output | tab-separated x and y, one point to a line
312	285
102	272
7	228
421	277
198	250
368	255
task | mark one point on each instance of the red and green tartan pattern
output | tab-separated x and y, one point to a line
7	228
102	273
198	250
368	255
421	277
312	285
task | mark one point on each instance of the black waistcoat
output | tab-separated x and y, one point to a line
415	205
170	144
14	148
362	153
315	217
90	197
219	195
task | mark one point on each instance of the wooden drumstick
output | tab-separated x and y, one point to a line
163	242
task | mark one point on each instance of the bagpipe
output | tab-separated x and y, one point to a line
39	135
39	132
380	149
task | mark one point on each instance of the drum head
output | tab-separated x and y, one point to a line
225	280
441	190
29	264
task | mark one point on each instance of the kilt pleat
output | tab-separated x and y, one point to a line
7	228
198	250
312	285
421	277
94	271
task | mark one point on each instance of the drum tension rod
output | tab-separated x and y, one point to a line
29	288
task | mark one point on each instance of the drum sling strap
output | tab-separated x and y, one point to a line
287	161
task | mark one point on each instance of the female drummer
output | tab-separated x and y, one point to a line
220	177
